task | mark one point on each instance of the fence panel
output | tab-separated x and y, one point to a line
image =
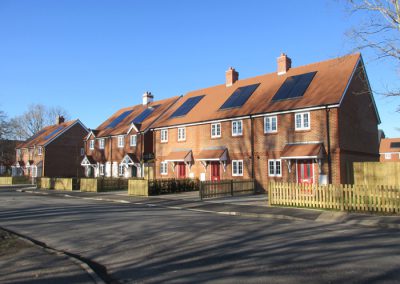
338	197
211	189
376	173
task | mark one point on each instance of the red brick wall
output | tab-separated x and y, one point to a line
395	157
62	156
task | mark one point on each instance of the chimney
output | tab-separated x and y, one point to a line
59	119
284	64
147	98
231	76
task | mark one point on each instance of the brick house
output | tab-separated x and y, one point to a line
389	150
305	124
55	151
122	144
7	155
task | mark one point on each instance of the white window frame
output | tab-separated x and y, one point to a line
301	115
239	169
101	169
121	141
39	151
164	168
18	152
182	134
82	151
91	144
268	120
216	130
274	173
102	143
164	135
132	140
235	127
388	156
121	170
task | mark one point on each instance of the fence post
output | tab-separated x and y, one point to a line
201	191
232	187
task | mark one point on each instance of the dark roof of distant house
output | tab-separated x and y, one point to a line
328	83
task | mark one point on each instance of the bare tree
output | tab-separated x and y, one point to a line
4	125
380	29
34	119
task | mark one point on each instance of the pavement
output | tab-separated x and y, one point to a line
253	206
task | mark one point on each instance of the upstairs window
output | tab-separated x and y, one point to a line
274	168
164	168
237	128
91	144
302	121
40	151
132	140
18	152
82	151
121	141
237	168
270	124
164	135
215	130
101	143
181	134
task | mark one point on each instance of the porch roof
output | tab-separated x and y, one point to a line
303	151
179	156
212	155
88	160
130	159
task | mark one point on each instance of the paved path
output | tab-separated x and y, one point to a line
142	243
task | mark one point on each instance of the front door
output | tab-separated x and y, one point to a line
181	170
305	171
215	176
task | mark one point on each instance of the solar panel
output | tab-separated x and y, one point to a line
51	134
395	145
294	87
143	115
35	135
239	97
120	118
187	106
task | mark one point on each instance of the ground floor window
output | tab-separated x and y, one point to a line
274	168
121	170
164	168
101	169
237	168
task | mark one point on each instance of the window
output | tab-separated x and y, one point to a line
237	128
18	152
91	144
132	140
270	124
181	134
101	143
215	130
40	151
121	170
82	151
164	135
164	168
101	169
237	168
274	168
388	156
120	141
302	121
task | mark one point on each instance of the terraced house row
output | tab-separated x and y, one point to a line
305	124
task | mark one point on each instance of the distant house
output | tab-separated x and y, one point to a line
389	150
55	151
7	155
123	143
305	124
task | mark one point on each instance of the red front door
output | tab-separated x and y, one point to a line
215	171
305	171
181	170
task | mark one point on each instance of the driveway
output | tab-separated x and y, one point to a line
141	244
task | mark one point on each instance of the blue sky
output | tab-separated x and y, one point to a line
93	57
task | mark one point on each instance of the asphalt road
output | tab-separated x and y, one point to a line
141	244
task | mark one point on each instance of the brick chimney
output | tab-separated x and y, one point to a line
231	76
147	98
284	64
59	119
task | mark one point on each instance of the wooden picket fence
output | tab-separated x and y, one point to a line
360	198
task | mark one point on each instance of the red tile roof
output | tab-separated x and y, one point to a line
326	88
303	151
46	134
385	146
207	155
122	128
